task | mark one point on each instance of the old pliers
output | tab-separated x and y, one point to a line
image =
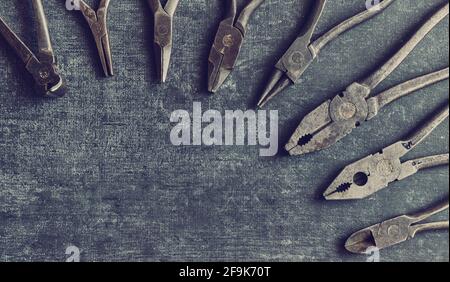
337	117
375	172
303	52
395	231
97	23
163	17
228	42
42	66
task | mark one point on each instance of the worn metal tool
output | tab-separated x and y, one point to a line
337	117
163	17
97	23
303	52
395	231
228	42
43	65
375	172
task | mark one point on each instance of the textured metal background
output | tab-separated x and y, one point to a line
96	168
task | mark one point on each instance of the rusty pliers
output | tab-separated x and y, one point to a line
395	231
163	17
43	65
375	172
337	117
228	42
97	23
303	52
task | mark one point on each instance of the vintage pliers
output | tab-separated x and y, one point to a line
303	52
375	172
228	42
163	18
97	23
43	65
337	117
395	231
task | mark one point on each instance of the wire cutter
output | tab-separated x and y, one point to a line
163	17
375	172
395	231
337	117
303	52
228	42
43	65
97	23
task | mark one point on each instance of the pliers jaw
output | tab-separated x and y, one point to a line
46	75
365	177
331	121
224	54
104	51
360	242
163	43
380	235
288	69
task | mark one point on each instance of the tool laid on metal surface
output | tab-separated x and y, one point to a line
97	23
395	231
303	52
163	17
42	65
375	172
228	42
337	117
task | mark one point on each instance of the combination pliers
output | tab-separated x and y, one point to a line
375	172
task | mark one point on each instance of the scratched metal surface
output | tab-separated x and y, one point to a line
96	168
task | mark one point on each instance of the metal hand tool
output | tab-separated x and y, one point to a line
337	117
375	172
97	23
303	52
228	42
42	66
163	17
395	231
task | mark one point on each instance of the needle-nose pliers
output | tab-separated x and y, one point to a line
163	30
97	23
303	52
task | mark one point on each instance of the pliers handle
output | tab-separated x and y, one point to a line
383	72
241	21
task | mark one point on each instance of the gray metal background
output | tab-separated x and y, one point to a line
96	168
